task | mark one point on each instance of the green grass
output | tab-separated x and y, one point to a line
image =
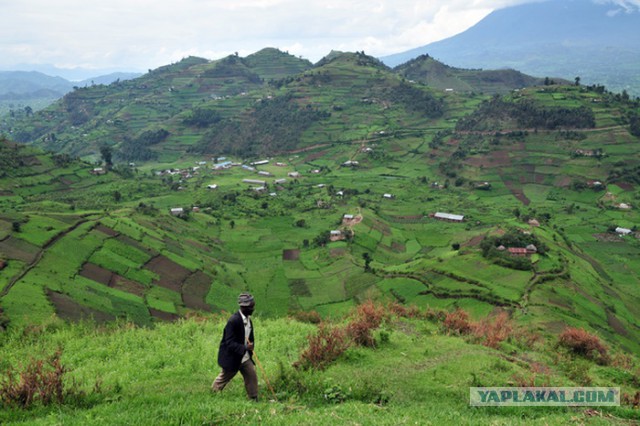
163	375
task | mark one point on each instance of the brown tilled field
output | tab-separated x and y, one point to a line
171	274
517	192
291	254
195	290
17	249
69	310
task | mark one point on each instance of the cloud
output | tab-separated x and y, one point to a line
143	34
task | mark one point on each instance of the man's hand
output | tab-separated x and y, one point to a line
249	345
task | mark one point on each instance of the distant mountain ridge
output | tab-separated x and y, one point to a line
28	85
565	38
269	101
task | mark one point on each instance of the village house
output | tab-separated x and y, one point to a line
348	220
350	163
623	231
482	185
340	193
195	209
294	175
212	186
448	217
624	206
279	181
519	251
264	173
223	165
98	171
177	211
336	235
259	188
259	163
281	164
534	222
388	196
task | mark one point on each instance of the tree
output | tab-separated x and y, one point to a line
117	196
28	111
577	80
232	224
367	261
16	226
106	152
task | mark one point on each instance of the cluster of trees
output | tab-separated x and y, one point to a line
202	117
634	125
416	100
233	67
512	238
275	125
78	109
138	149
625	174
497	112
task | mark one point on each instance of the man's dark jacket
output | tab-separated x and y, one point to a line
233	345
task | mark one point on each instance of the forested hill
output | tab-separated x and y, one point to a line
268	102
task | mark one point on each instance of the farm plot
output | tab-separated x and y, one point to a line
110	279
70	310
18	249
195	290
171	275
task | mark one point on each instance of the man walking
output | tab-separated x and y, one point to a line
236	349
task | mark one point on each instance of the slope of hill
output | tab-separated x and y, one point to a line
437	75
122	374
597	41
75	243
266	103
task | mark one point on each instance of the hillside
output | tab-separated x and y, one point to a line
597	41
269	102
437	75
122	374
555	166
28	91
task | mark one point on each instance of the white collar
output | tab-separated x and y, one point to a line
244	317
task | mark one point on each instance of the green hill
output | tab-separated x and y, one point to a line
437	75
539	190
228	106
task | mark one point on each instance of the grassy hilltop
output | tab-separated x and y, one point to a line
552	169
418	371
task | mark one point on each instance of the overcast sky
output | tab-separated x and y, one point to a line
144	34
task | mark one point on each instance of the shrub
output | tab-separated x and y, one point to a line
39	381
368	317
585	344
458	322
311	317
493	331
402	311
324	347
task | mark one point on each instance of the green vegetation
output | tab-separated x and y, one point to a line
128	375
105	238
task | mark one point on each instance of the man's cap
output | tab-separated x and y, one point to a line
245	299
